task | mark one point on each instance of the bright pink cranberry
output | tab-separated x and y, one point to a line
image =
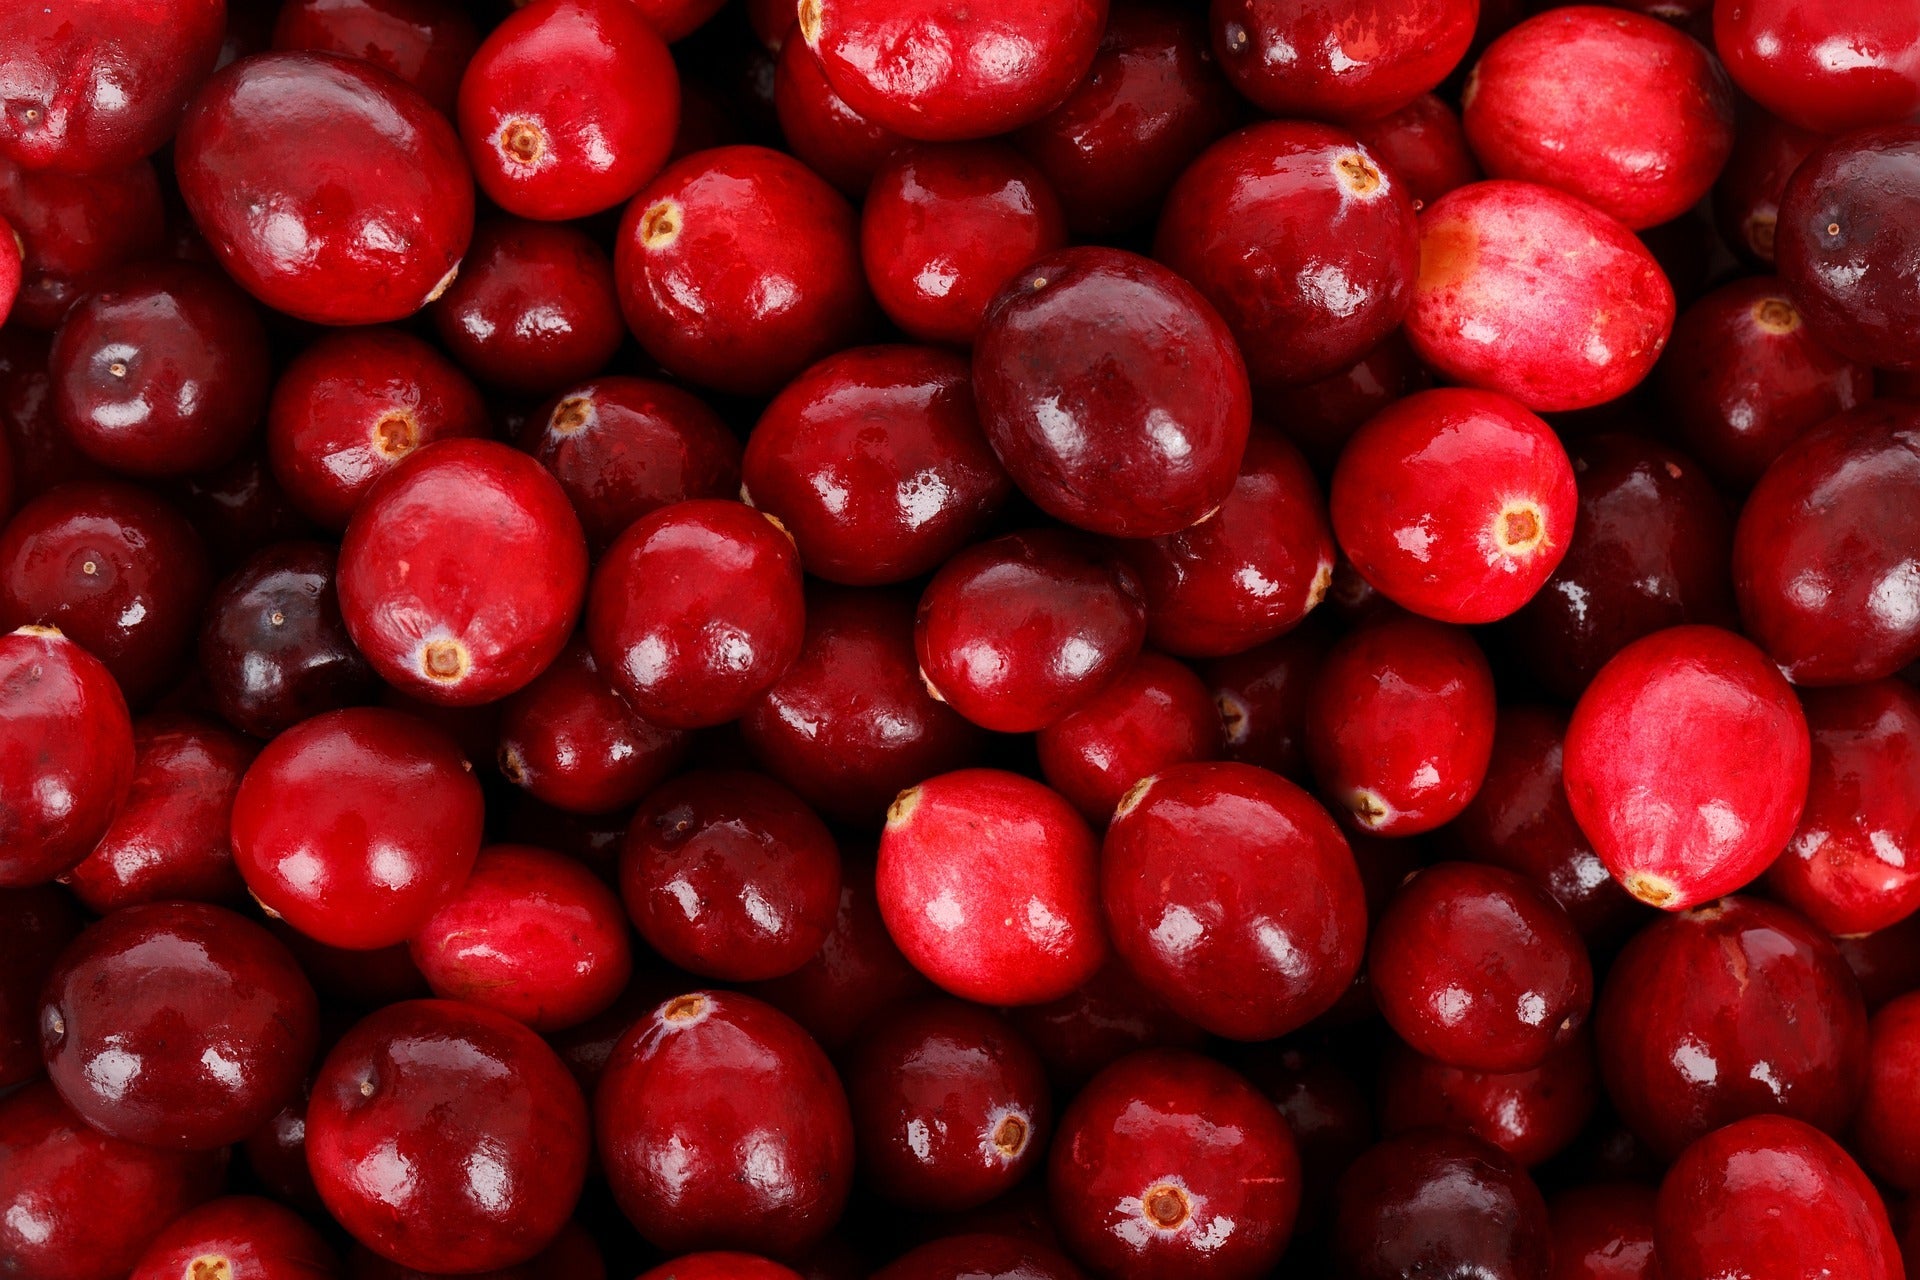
1746	199
1885	1132
1532	1115
76	232
721	1122
1156	714
875	462
1399	725
1782	54
1262	698
999	65
1442	1202
1772	1196
1535	293
818	126
36	924
238	1236
1604	1231
988	884
1169	1164
1233	896
427	43
977	1254
490	1131
355	826
1113	392
1424	145
1344	61
570	740
739	267
1687	765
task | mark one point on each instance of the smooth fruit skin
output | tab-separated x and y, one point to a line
1778	52
1424	143
1531	1115
1341	61
1604	1231
1734	1009
1155	715
1771	1196
990	1257
1884	1131
75	231
1094	1026
356	825
1687	765
1262	698
1001	65
988	884
817	125
1444	1203
571	741
427	43
1746	199
721	1122
1234	898
1536	294
491	1131
244	1237
36	924
721	1266
1170	1165
1306	244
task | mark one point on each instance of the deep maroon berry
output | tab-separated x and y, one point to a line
1532	1115
953	1257
1746	199
427	43
1604	1231
1424	144
570	740
835	141
76	232
1443	1202
36	924
1262	698
1345	61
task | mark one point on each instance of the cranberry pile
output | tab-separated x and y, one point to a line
959	639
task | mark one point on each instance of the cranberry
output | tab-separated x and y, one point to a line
238	1236
677	19
1156	714
572	1254
36	924
738	267
432	623
1886	963
570	740
696	610
38	452
1746	199
1262	699
1687	765
987	882
427	43
277	1154
1232	895
1535	293
1326	1111
1770	1195
999	65
1604	1231
1782	55
76	232
1099	1022
379	237
1532	1115
721	1121
964	1257
353	979
12	249
1735	1009
1884	1131
357	825
721	1266
240	508
1441	1202
489	1128
1343	61
1169	1164
833	139
1424	144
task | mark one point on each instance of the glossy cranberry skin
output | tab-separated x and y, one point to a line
1778	53
1534	293
1170	1165
1351	61
76	231
1156	714
570	740
1687	764
1746	199
66	754
1771	1195
427	43
1113	393
988	1257
462	573
1443	1202
1233	897
1734	1009
1424	144
1017	632
1886	963
738	268
1000	66
240	1236
77	1204
100	86
875	462
1604	1231
1101	1021
834	140
721	1122
36	924
1262	698
695	611
117	569
988	884
380	239
355	826
1884	1133
1531	1115
492	1131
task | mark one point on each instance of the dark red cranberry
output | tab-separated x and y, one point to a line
834	140
1687	764
76	231
721	1122
1783	55
1424	145
572	1254
354	979
1532	1115
570	740
1156	714
721	1266
277	1153
1168	1164
677	262
1099	1022
427	43
1017	632
1326	1111
240	508
485	1122
677	19
1233	896
238	1236
378	238
1884	1131
1262	699
36	924
963	1257
357	825
1443	1202
1604	1231
114	567
1886	963
463	572
988	884
1343	61
39	453
1746	199
1735	1009
1113	392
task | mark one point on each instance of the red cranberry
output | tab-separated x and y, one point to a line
1344	61
66	754
378	238
1604	1231
1785	56
1262	699
243	1236
76	232
1101	1021
1884	1131
487	1126
1531	1115
964	1257
11	261
36	924
997	66
834	140
1735	1009
1535	293
463	572
875	462
987	882
357	825
1746	199
1017	632
353	979
277	1154
1171	1165
721	1122
1441	1202
721	1266
1233	896
570	740
694	304
1329	1116
572	1254
1424	145
39	453
79	1205
729	876
1156	714
100	86
677	19
1772	1196
1687	765
1886	963
1113	393
696	610
427	43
